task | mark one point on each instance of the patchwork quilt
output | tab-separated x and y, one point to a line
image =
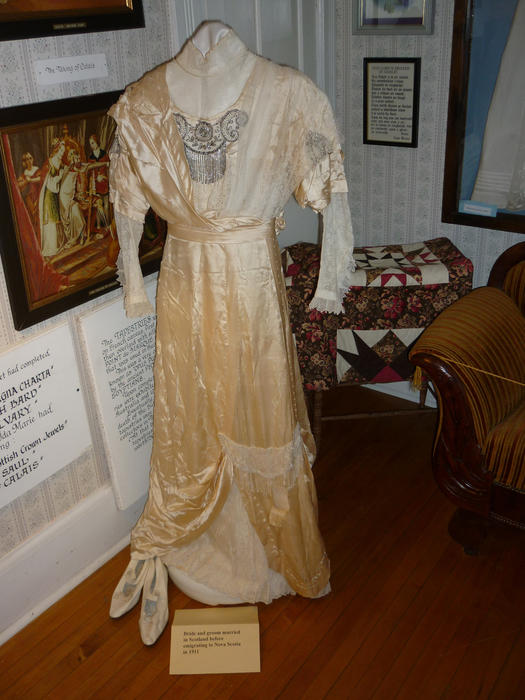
396	291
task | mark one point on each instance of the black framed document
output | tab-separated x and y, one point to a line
391	101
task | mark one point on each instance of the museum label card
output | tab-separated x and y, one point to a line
50	71
215	640
43	422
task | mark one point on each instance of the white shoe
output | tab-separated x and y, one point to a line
127	592
154	613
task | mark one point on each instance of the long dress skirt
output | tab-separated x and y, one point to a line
229	414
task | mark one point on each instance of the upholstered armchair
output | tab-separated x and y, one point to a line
474	354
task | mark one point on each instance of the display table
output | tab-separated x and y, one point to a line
396	291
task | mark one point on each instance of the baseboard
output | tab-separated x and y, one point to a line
402	390
50	564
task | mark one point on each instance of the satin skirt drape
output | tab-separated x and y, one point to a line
232	443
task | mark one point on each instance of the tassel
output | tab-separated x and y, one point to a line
417	379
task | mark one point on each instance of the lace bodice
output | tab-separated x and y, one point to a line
242	165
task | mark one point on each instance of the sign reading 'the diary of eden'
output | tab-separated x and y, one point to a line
43	423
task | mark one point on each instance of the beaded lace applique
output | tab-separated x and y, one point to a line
317	146
206	143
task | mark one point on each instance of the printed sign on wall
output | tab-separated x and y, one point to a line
120	354
43	422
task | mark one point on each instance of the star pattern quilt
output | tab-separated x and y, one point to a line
396	292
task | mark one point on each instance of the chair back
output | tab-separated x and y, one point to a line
508	274
482	336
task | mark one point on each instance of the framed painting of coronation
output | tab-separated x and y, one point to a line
23	19
59	244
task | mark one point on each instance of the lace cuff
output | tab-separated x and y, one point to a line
129	273
337	262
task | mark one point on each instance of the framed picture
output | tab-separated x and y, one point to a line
484	179
59	245
392	16
23	19
391	101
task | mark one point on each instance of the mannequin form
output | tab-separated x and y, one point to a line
211	90
208	34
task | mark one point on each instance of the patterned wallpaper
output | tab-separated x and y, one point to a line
129	54
285	30
395	193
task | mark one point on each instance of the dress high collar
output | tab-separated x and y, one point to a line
226	54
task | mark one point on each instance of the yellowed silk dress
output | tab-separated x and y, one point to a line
232	503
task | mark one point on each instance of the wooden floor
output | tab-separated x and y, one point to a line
409	616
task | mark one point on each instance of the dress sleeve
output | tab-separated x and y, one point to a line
323	187
130	207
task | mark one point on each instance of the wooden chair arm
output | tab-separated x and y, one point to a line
457	459
510	257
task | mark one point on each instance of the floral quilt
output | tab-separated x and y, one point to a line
398	290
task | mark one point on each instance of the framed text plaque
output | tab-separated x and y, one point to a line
391	101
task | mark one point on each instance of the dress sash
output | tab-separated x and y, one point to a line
235	234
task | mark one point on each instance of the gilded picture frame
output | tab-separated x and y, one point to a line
24	19
59	245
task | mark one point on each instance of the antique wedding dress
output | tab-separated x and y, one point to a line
216	144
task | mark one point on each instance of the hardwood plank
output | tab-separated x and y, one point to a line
354	640
61	647
409	614
496	640
472	574
368	559
444	630
41	636
497	596
441	592
510	684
